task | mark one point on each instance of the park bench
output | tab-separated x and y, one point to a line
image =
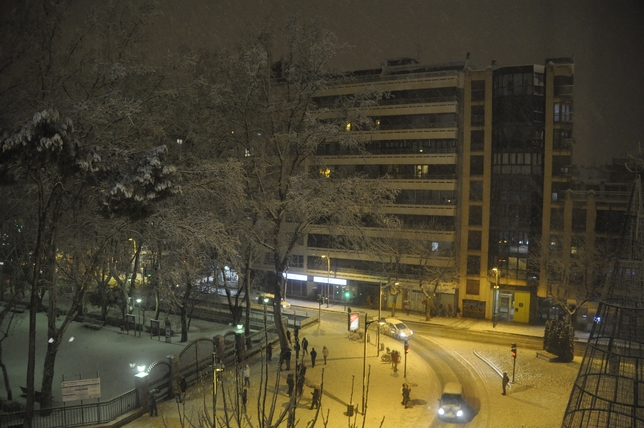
545	355
93	323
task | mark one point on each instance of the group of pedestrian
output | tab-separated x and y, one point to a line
395	359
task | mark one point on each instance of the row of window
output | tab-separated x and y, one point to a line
426	197
519	84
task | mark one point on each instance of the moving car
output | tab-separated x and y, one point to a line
452	404
396	329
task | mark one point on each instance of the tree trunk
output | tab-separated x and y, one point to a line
184	323
7	386
393	305
48	373
280	328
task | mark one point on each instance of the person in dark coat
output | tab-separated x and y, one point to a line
296	346
315	401
269	352
244	398
290	381
287	358
406	391
504	381
288	335
305	346
300	386
152	403
184	386
313	355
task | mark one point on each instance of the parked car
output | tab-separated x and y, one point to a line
396	329
452	403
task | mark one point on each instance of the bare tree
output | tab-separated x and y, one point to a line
573	276
268	112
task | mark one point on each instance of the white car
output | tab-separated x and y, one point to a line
396	329
452	404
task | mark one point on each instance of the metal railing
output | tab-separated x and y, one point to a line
78	415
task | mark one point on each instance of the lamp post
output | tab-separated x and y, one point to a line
138	303
217	368
495	297
379	312
328	278
364	358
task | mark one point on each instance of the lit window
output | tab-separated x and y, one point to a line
246	153
325	172
348	127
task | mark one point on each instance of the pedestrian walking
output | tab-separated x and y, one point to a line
285	358
246	375
325	353
313	355
395	359
269	351
301	370
152	403
505	381
406	391
305	347
296	346
290	381
244	398
407	307
299	385
184	386
315	402
288	358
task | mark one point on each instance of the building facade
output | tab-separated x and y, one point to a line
482	161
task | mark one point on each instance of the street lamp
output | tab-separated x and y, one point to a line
495	297
379	312
364	357
138	303
217	368
328	278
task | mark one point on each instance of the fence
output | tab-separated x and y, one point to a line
79	415
159	372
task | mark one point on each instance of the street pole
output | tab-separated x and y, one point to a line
364	362
138	302
379	312
495	298
328	280
405	369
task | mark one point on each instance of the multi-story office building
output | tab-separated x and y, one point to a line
482	161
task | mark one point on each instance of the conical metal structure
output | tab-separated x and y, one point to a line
609	389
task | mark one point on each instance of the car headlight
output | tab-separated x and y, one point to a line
403	334
459	413
441	411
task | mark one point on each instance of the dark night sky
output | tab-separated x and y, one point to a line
605	37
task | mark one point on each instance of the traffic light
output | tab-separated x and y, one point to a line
514	350
406	347
347	293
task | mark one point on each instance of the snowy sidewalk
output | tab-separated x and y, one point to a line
344	367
